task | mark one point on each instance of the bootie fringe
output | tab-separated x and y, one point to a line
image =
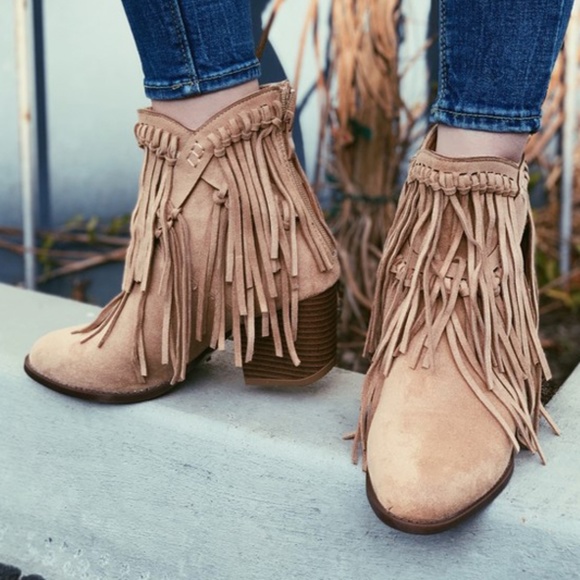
252	238
454	267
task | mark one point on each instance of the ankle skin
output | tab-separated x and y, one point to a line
456	143
193	112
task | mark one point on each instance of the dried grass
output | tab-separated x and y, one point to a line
371	132
366	134
542	154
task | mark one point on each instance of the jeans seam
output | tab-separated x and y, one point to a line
183	42
555	49
484	115
198	80
443	56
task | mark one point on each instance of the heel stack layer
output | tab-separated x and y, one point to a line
315	345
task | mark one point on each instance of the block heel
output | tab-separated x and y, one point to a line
315	345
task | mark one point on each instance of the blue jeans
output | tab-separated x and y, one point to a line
496	56
190	47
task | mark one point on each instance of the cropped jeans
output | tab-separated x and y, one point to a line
496	56
191	47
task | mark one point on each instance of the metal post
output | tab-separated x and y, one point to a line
569	141
32	124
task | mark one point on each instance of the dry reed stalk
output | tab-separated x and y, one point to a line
365	135
65	262
543	157
544	163
370	134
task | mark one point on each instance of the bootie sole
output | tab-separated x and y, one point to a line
111	398
441	525
315	346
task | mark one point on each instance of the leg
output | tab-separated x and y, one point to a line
226	238
495	63
454	387
197	55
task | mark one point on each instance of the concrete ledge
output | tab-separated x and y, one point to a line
221	481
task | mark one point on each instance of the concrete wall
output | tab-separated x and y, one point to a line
217	481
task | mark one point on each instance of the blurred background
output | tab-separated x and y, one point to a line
365	71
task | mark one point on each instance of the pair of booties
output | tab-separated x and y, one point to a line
228	240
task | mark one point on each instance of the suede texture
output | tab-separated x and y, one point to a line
88	368
226	230
454	387
433	449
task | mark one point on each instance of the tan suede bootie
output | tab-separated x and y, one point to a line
227	238
454	386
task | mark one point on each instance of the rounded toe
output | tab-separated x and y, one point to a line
50	355
64	362
434	494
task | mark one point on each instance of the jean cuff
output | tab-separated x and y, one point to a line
485	122
189	87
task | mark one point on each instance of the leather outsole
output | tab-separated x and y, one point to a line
441	525
109	397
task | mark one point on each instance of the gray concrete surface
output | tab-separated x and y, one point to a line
220	481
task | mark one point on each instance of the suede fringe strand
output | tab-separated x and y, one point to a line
258	205
480	303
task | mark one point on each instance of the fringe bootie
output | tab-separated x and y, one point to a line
227	238
454	386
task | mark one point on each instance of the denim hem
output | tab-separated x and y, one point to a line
183	88
486	122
